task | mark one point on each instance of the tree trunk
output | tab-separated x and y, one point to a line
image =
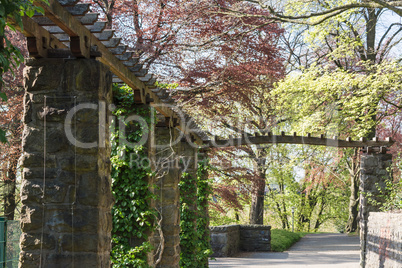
354	170
257	203
318	222
351	225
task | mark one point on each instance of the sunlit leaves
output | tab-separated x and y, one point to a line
334	101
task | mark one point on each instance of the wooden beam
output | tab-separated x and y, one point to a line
39	40
284	139
82	41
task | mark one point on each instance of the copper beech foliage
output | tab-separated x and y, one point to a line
197	45
11	113
219	60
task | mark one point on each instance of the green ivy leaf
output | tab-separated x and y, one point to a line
3	96
3	137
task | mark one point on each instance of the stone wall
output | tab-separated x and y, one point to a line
255	238
384	240
374	172
227	240
66	187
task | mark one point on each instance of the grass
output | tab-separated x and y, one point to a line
281	240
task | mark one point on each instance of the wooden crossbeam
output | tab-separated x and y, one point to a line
39	40
287	139
82	40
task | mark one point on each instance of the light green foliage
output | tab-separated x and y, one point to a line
323	100
219	218
316	36
318	197
133	218
167	86
390	193
194	232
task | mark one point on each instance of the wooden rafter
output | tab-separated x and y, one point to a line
84	42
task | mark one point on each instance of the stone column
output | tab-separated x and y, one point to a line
66	187
373	174
166	165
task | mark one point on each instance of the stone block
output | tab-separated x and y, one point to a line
39	173
63	220
29	259
31	217
80	163
37	241
79	242
33	160
40	75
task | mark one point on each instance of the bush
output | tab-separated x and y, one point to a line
281	240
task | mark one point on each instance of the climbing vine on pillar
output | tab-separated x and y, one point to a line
203	192
132	215
194	242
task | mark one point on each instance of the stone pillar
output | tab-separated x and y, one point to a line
374	171
66	187
166	180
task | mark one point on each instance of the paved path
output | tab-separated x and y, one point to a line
313	250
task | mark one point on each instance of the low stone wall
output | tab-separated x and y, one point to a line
227	240
255	238
384	240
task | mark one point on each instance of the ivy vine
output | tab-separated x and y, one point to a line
194	233
132	215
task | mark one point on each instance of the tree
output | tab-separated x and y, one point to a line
11	122
10	55
342	103
312	12
308	180
221	59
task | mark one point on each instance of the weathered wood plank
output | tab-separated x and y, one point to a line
54	29
114	42
63	37
97	27
131	62
39	39
87	19
67	2
136	68
125	56
151	82
118	50
78	9
146	78
277	139
141	73
104	35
